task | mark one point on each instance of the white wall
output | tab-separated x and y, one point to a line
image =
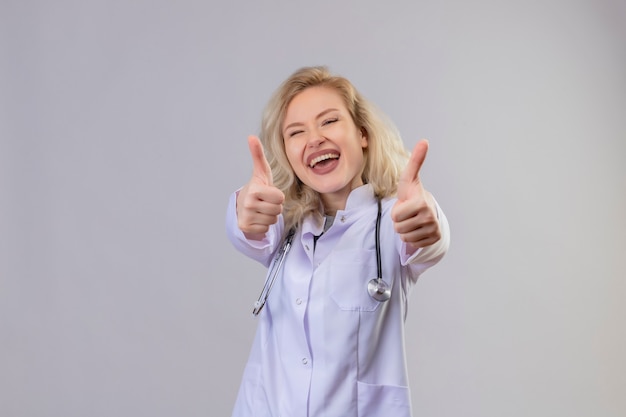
123	131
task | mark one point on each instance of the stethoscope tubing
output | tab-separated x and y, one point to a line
277	264
376	287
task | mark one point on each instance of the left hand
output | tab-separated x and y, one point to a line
414	215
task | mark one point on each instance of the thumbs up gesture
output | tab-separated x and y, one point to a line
414	214
258	203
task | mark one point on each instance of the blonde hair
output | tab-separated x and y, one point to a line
384	158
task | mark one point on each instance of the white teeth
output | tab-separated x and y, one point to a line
322	158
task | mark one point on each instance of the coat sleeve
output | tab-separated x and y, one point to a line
260	250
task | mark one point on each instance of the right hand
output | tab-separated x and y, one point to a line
259	203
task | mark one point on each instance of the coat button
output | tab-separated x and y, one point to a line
305	361
298	301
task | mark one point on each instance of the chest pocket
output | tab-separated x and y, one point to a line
350	271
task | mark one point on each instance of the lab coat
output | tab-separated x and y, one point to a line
323	346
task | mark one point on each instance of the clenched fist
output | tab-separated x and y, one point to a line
259	203
414	214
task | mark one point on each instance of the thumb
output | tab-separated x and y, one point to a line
411	174
260	167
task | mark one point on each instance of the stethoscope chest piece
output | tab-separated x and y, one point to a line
378	289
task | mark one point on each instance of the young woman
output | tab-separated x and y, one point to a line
331	178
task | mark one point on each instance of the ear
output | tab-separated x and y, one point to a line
364	141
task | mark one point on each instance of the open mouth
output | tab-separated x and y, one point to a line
324	159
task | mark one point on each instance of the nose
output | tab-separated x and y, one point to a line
315	139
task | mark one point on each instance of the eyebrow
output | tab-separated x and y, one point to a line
321	114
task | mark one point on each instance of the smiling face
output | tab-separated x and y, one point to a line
323	145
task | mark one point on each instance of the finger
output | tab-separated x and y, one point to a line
412	170
272	205
422	243
260	167
422	222
402	211
254	229
252	193
253	224
424	235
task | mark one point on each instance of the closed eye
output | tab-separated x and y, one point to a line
329	121
294	133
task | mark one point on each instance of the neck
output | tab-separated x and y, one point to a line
334	201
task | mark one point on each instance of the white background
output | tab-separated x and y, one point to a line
123	131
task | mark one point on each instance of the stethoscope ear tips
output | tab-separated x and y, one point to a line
378	289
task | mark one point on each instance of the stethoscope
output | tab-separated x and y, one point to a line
377	288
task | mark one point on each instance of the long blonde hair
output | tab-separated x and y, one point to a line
385	156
